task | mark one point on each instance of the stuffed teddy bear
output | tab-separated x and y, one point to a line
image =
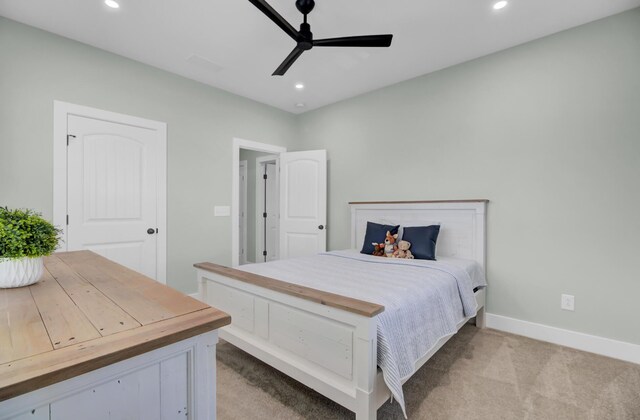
403	250
390	244
378	249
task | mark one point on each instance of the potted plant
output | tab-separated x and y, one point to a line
25	237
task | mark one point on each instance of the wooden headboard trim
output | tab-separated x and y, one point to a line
479	200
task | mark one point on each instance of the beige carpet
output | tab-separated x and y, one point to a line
478	374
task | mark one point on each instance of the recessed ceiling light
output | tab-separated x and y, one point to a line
112	4
300	105
299	86
500	5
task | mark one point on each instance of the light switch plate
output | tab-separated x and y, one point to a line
222	211
567	302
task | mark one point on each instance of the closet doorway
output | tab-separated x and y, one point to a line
247	235
242	225
259	207
267	208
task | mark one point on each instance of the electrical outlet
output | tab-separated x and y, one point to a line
567	302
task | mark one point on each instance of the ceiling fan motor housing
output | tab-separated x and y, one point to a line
305	41
305	6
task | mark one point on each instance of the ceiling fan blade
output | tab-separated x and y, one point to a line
276	18
355	41
291	58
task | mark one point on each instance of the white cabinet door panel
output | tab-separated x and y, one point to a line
133	396
40	413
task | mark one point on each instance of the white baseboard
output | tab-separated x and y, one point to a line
604	346
195	295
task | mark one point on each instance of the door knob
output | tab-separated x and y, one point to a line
151	231
320	227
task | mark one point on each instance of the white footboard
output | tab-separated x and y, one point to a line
328	349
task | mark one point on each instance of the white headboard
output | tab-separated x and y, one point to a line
462	223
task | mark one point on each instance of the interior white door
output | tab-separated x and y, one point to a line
112	191
272	208
242	220
303	203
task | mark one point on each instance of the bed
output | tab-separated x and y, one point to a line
355	327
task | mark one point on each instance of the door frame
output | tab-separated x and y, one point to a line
243	167
236	145
61	111
260	161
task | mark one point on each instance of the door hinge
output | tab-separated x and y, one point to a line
67	220
264	176
70	136
264	253
264	215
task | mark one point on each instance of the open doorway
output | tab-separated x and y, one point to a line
259	207
242	222
267	208
249	151
299	210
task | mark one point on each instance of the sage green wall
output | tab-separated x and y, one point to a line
37	67
548	131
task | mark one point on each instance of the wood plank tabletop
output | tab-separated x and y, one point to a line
87	312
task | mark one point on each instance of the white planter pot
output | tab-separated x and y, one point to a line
20	272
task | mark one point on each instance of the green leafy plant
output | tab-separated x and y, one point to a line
24	233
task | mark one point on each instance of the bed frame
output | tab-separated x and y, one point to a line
326	341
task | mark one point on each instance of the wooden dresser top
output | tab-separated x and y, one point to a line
85	313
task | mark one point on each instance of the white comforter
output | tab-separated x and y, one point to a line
424	300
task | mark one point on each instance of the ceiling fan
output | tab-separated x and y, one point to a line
304	37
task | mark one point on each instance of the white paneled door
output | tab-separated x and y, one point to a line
303	203
271	207
243	213
112	191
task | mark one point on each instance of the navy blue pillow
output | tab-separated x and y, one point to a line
376	233
423	241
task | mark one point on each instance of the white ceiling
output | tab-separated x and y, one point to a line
237	47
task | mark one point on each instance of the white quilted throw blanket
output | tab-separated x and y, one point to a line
424	300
